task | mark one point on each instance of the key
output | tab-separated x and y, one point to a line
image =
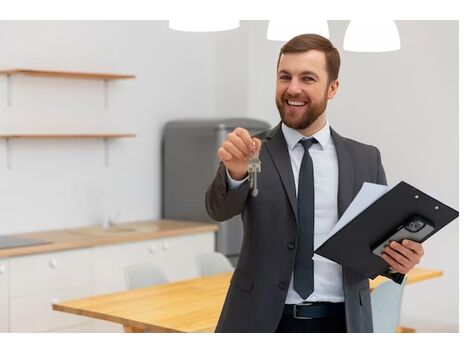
254	168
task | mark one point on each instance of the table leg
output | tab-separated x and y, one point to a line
404	329
132	329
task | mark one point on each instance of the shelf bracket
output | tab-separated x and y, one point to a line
8	153
106	151
106	93
9	90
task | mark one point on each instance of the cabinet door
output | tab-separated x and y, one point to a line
39	273
4	313
110	261
35	314
177	254
36	281
174	255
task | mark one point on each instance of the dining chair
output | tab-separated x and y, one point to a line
143	274
386	306
212	263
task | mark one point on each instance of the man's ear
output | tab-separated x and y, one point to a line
333	88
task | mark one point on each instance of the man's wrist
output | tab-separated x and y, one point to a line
233	184
237	176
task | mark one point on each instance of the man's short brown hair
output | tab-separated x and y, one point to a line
306	42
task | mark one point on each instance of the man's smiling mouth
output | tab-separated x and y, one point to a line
295	103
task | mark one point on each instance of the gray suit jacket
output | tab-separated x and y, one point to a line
258	288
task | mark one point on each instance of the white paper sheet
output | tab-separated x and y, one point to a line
367	195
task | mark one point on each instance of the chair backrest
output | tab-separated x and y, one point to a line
143	274
386	306
212	263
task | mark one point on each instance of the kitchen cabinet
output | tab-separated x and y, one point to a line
34	314
49	271
37	281
77	263
4	311
175	256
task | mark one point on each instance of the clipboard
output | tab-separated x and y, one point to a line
353	244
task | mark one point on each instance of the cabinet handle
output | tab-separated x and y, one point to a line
2	269
53	263
152	249
165	245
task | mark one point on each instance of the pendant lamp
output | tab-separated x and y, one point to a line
371	36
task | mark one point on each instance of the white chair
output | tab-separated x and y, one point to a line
212	263
143	274
386	306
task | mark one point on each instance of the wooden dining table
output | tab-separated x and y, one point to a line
184	306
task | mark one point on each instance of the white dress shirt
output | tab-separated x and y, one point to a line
328	284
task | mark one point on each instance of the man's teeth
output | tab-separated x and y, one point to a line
295	103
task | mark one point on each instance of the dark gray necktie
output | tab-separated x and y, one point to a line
303	270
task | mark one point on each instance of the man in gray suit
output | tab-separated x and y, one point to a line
310	174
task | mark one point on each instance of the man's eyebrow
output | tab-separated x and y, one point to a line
302	73
310	73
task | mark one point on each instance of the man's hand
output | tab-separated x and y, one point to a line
236	150
403	257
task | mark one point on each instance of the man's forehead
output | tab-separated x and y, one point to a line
312	60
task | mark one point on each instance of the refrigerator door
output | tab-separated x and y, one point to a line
189	163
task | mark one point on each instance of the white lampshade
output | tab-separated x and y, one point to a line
203	26
371	36
285	30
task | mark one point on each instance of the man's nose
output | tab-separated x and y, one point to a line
294	88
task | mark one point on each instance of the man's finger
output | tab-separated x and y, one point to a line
237	153
239	143
406	252
245	136
394	265
414	246
224	155
397	256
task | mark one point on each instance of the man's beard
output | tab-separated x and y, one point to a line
313	112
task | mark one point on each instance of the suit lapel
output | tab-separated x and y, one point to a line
277	149
346	172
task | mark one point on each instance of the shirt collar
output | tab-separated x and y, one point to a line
292	136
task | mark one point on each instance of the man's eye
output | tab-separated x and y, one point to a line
309	79
284	78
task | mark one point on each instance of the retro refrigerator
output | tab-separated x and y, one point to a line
189	162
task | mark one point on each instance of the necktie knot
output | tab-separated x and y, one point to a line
307	143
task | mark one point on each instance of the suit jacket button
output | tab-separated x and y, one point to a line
291	245
282	285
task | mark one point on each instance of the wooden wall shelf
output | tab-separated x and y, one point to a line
65	74
65	136
105	136
105	77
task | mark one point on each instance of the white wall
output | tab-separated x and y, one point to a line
404	102
56	184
